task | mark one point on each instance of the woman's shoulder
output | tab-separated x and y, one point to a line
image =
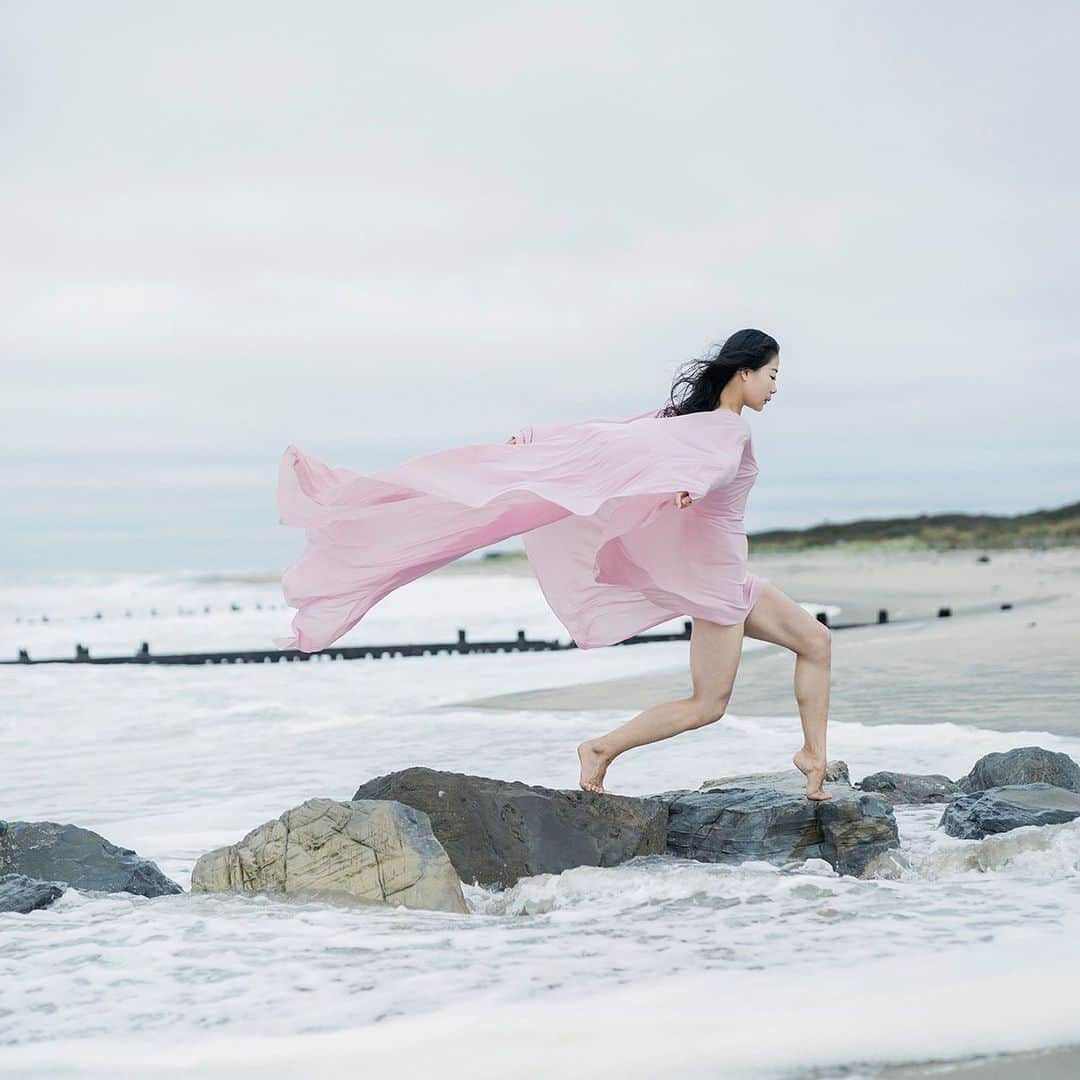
709	430
731	422
719	413
729	413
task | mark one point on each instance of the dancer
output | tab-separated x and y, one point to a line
626	523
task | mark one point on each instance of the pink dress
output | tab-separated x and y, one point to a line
594	501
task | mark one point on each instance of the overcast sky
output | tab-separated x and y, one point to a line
378	230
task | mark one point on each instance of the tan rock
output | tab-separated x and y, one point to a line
370	849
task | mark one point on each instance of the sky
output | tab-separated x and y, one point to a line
378	230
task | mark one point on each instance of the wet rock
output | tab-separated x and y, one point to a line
1000	809
78	857
23	894
856	828
768	816
901	788
497	831
368	850
836	771
1024	765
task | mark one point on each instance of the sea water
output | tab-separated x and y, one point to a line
658	967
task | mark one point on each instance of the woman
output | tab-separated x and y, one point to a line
626	523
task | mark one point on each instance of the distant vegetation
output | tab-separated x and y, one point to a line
927	532
933	532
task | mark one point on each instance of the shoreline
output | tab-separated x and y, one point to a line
1050	1063
1010	669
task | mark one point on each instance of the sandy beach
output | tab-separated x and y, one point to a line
1008	669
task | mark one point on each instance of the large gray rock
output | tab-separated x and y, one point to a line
365	849
901	788
768	816
497	831
836	772
1024	765
78	857
23	894
1012	806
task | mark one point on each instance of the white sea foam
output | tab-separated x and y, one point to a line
659	966
190	612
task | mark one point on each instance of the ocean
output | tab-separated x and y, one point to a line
657	967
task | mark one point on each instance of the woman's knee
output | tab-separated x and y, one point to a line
817	645
708	711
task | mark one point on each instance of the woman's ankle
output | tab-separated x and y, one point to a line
604	750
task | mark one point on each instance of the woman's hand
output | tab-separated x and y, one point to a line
682	500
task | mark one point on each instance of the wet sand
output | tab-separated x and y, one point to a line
1060	1063
1009	670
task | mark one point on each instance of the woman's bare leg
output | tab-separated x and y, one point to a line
777	618
715	651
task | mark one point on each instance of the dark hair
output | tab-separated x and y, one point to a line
700	384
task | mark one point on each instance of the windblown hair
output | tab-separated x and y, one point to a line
697	387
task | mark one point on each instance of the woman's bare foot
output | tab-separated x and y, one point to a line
814	771
594	763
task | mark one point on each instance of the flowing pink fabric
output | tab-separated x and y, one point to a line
594	501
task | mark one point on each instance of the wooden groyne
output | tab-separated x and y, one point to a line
337	652
377	652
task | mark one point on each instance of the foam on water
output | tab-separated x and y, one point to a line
193	612
658	966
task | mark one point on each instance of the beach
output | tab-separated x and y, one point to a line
1007	670
966	954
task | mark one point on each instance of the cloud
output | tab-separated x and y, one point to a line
378	231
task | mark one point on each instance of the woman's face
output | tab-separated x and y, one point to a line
761	385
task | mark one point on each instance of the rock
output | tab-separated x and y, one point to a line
901	788
1000	809
835	772
497	831
78	857
855	830
365	849
23	894
768	816
1024	765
